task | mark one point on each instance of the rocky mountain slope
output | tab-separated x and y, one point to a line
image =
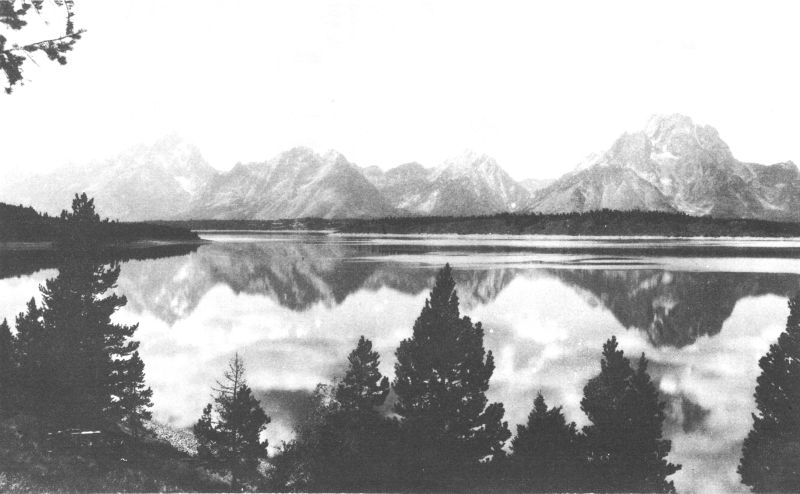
469	184
675	164
534	184
144	182
297	183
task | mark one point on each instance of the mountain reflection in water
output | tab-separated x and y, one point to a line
294	306
673	308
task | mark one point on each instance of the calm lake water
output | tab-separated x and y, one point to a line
295	304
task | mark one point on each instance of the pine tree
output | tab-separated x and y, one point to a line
363	386
771	452
82	359
354	443
626	450
80	226
345	443
134	398
229	433
82	211
441	378
30	352
7	369
546	453
76	367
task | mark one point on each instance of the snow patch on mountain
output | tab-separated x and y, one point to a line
689	165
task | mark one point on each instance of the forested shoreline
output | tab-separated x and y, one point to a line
25	224
595	223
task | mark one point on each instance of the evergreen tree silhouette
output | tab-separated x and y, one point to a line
134	397
363	386
771	452
229	433
76	367
626	450
547	452
73	360
82	212
346	445
355	443
7	370
441	378
30	351
80	226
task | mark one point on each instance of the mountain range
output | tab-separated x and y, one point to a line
672	164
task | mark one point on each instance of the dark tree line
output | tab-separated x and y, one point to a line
597	222
443	434
25	224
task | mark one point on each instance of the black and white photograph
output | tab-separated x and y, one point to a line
467	246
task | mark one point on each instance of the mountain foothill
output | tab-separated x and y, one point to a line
672	164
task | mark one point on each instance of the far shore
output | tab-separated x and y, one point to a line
136	244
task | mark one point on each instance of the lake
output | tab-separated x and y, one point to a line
294	304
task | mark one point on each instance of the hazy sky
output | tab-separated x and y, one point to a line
537	85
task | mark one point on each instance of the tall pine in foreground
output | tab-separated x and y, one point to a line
229	433
547	452
627	451
771	452
76	368
441	378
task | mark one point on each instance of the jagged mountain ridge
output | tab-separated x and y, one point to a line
675	164
170	180
469	184
297	183
671	165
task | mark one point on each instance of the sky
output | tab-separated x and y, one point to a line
536	85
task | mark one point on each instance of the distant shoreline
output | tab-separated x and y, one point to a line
489	236
602	223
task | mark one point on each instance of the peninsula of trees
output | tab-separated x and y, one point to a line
25	224
603	222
